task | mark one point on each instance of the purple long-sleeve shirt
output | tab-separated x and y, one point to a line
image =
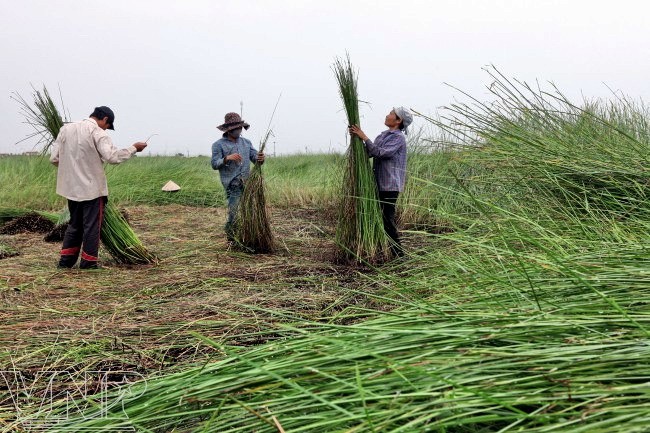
389	153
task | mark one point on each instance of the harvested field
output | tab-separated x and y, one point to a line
141	317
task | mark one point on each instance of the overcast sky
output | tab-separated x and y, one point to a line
176	67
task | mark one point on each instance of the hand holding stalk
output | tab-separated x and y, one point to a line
356	130
139	146
233	157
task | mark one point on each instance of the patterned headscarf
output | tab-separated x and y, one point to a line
405	115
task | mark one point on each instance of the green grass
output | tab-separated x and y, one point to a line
7	251
28	182
293	181
298	180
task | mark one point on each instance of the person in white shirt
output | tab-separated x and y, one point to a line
79	152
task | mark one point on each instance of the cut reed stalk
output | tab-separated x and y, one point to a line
252	225
360	230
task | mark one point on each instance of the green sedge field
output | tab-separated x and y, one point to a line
523	303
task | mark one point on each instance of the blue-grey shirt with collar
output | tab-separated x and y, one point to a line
389	165
230	170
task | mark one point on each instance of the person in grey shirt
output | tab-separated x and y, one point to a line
232	155
389	165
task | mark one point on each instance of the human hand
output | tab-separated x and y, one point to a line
139	146
354	129
233	157
260	158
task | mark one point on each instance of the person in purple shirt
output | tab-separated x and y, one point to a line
389	164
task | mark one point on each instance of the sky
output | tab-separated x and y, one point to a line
175	68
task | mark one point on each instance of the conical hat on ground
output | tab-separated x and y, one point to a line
171	187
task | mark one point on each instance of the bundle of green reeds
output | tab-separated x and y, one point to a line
253	229
121	241
117	236
45	118
360	230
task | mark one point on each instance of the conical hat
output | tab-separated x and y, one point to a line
171	187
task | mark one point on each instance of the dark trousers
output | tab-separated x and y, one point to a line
83	233
387	201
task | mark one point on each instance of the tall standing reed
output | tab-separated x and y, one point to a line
593	156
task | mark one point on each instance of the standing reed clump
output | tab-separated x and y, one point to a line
253	228
360	230
590	155
116	234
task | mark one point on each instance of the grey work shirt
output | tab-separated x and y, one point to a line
230	170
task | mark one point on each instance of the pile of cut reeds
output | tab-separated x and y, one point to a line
423	368
360	232
116	234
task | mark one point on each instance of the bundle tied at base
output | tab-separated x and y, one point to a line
252	226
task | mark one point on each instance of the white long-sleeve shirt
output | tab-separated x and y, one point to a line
79	151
